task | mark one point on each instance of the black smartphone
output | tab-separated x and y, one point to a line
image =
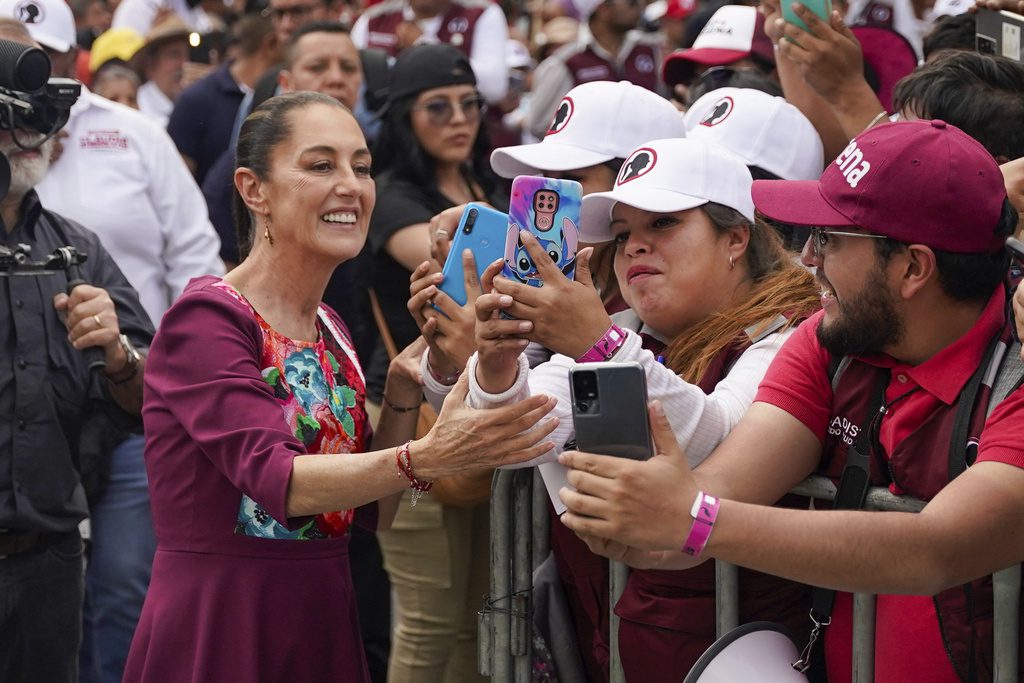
609	409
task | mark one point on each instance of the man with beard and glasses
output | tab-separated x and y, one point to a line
896	374
46	393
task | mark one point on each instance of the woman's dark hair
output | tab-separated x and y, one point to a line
264	129
399	152
982	95
969	278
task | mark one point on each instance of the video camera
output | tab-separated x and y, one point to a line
30	99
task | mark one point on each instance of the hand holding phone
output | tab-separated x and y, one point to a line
481	230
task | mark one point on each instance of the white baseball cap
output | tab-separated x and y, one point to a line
733	33
666	176
50	22
763	130
594	123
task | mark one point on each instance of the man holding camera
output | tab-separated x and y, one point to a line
120	174
46	389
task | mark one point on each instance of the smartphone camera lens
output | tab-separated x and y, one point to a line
470	220
585	384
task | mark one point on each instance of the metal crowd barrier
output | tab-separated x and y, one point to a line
519	542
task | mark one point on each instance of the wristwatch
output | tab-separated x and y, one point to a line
131	365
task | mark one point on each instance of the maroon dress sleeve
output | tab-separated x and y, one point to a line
203	378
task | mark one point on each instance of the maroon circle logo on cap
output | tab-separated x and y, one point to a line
638	164
29	13
719	112
562	115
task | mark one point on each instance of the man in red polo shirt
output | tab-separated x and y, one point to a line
909	223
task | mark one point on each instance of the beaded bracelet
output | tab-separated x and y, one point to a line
403	459
704	513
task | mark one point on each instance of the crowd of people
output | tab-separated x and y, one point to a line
251	437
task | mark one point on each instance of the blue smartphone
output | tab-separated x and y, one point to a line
482	231
550	209
821	8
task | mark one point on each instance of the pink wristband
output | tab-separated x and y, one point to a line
704	513
605	347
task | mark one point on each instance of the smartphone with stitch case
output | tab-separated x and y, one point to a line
481	230
550	209
609	409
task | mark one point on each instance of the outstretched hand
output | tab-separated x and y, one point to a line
567	315
465	439
635	504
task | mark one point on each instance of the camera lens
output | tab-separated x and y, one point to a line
585	385
470	221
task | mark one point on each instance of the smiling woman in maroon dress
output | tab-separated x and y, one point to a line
256	431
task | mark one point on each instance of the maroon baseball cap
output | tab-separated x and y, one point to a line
920	182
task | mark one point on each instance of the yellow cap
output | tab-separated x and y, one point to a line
116	43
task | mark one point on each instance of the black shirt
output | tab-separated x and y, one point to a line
400	204
46	388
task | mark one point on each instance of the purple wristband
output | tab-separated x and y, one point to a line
704	513
605	347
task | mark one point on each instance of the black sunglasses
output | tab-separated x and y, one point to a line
441	110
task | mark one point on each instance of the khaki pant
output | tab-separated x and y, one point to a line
438	559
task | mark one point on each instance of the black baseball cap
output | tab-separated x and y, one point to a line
423	67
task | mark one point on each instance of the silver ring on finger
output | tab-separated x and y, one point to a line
99	323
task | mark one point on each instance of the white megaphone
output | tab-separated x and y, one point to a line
758	652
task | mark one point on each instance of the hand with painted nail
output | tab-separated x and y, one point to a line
567	316
499	341
447	327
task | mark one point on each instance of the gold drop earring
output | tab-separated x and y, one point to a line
266	231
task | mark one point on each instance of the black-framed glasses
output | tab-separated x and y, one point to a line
440	110
820	238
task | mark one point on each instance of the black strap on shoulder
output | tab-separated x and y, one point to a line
960	453
850	495
853	484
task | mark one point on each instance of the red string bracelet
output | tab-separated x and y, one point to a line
403	459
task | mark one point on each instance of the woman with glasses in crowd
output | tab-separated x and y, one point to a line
712	297
258	446
431	155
